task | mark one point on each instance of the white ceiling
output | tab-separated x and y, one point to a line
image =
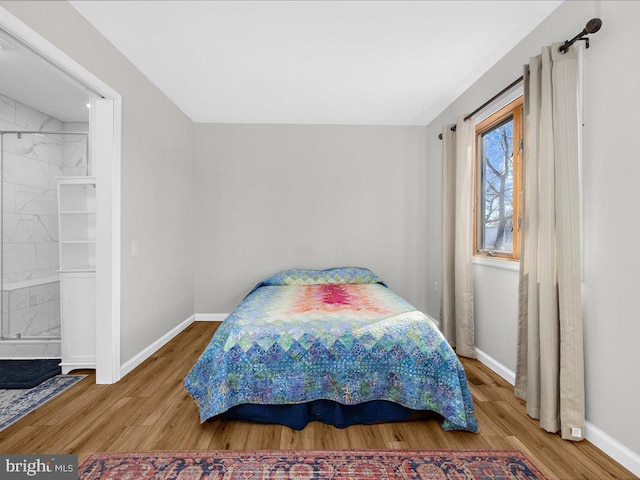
32	80
324	62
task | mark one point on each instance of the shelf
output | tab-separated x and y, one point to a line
32	282
77	269
78	254
82	180
77	197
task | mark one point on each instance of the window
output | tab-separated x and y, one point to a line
498	179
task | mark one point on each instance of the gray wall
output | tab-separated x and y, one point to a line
273	197
270	197
157	178
610	174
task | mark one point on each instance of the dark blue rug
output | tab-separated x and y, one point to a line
22	374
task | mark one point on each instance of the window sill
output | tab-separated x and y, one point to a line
496	263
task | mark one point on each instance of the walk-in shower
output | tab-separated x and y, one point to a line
31	163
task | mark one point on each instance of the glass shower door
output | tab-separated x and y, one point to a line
30	166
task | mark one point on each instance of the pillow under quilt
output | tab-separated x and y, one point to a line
302	276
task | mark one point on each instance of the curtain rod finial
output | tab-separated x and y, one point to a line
593	25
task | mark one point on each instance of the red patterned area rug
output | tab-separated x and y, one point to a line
312	465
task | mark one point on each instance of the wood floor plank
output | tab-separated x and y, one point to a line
21	438
396	437
365	436
512	443
149	409
331	438
263	437
231	435
304	439
129	438
195	438
170	425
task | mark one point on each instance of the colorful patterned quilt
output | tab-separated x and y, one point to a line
339	334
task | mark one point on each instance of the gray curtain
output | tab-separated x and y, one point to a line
456	313
550	368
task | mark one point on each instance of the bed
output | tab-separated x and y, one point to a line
337	346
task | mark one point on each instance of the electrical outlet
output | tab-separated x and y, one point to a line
436	287
135	248
576	432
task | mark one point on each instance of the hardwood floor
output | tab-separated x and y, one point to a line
150	410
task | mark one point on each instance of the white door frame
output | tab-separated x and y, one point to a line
106	123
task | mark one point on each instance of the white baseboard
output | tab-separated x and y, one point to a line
71	366
612	447
605	442
132	363
211	317
496	366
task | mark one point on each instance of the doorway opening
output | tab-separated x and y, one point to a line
86	238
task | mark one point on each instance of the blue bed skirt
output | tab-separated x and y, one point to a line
297	416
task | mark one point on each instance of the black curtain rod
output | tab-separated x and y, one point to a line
592	26
505	89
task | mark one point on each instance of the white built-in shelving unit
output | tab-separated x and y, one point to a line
77	227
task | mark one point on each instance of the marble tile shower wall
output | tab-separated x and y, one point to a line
31	289
74	151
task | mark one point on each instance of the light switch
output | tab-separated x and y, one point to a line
135	248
